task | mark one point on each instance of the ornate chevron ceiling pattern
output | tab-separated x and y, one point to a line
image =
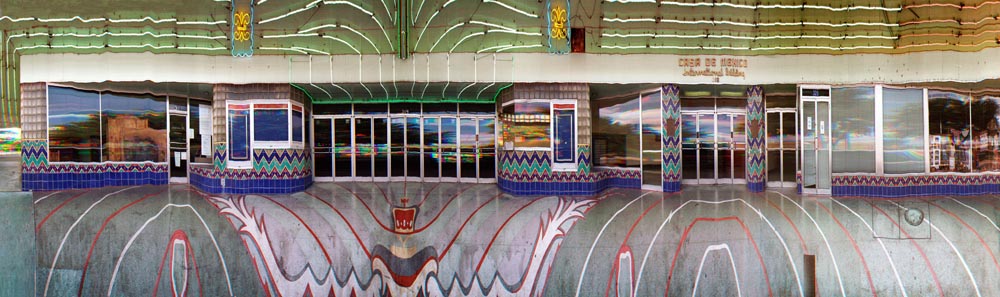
345	27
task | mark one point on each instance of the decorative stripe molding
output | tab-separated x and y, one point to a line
530	173
891	186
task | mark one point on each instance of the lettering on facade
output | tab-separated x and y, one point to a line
714	67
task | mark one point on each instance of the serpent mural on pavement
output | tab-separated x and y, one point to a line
448	239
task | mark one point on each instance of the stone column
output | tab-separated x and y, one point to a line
756	138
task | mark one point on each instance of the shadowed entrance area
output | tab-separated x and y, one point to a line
433	239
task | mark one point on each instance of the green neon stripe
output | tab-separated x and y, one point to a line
311	99
501	90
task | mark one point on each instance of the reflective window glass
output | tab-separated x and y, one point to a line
616	132
270	124
135	127
986	132
74	125
531	124
853	131
903	130
949	121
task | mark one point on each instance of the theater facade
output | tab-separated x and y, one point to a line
537	97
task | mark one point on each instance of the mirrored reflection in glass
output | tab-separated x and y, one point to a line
903	130
950	136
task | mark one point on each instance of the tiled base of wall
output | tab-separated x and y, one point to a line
915	185
907	191
62	181
757	187
249	186
596	182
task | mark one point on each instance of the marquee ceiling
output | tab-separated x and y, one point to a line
321	27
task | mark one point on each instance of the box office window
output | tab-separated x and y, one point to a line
527	124
239	132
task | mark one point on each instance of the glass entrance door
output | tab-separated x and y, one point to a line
178	138
815	120
323	148
713	141
404	147
781	146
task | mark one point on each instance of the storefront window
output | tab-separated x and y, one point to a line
986	133
616	132
903	130
853	129
949	117
135	127
74	125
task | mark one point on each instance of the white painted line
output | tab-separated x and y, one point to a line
736	275
892	264
953	248
62	243
836	269
978	212
586	260
118	263
47	196
781	239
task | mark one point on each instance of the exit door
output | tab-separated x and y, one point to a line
815	121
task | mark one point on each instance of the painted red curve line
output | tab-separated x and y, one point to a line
607	289
789	220
687	230
93	244
459	231
54	210
497	234
385	227
304	224
864	262
428	194
348	223
384	195
974	232
188	252
921	250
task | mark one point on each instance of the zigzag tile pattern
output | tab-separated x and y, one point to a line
219	157
274	171
583	157
891	186
756	163
270	161
670	129
37	174
34	156
530	173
